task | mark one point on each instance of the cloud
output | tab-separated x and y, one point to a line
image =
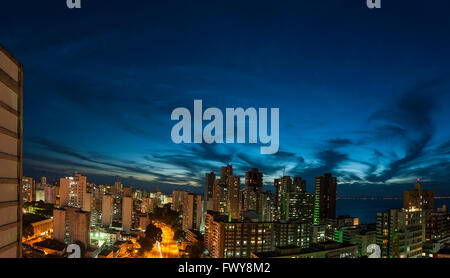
340	142
407	122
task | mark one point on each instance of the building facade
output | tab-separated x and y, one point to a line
325	202
11	134
192	211
71	225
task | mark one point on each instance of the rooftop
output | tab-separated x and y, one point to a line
29	218
51	244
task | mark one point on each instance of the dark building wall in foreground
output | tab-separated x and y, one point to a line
11	92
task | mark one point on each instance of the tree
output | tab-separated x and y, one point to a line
179	234
28	231
169	217
152	235
195	250
83	248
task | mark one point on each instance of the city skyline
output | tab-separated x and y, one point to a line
364	102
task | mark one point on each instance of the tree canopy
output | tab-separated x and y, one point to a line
152	235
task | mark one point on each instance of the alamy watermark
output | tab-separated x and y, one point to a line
371	4
374	4
73	4
213	132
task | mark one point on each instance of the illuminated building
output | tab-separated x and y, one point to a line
418	199
294	203
209	190
269	207
117	189
11	133
144	221
145	205
42	226
107	210
300	206
40	195
28	189
87	201
43	181
233	200
50	194
400	233
127	214
194	236
298	185
178	199
71	225
72	190
292	234
339	222
437	224
127	191
252	191
325	202
226	238
283	186
192	211
220	195
362	236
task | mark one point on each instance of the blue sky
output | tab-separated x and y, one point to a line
362	93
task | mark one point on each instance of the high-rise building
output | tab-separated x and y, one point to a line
117	189
233	200
107	210
11	134
97	202
178	199
283	187
40	195
233	239
145	205
252	191
209	190
301	206
438	224
127	214
28	189
87	202
72	191
144	221
71	225
418	199
220	195
400	233
269	207
192	212
127	191
50	194
43	181
299	185
325	202
293	202
226	172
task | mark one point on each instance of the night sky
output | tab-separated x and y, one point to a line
363	94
